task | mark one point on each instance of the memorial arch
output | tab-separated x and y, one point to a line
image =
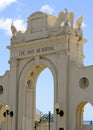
53	42
29	75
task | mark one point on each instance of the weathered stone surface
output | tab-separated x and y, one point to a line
41	25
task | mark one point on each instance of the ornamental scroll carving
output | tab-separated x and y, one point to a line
32	76
30	80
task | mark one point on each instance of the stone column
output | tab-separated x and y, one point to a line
62	88
13	79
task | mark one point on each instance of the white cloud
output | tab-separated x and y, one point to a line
19	24
84	24
47	9
4	3
5	24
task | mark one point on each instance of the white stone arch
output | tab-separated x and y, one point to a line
45	62
79	114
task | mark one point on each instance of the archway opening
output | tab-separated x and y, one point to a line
39	96
84	115
88	114
45	100
45	92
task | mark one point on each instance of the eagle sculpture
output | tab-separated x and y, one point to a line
64	18
79	22
13	30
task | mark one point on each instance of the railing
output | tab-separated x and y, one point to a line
88	122
87	125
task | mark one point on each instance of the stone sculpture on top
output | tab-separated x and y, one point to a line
42	25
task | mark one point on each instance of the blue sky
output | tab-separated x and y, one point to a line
17	11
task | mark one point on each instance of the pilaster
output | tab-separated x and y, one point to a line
13	93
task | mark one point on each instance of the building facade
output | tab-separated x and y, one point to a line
53	42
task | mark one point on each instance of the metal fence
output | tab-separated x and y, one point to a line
88	122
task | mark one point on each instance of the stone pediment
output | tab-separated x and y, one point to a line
38	24
42	25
